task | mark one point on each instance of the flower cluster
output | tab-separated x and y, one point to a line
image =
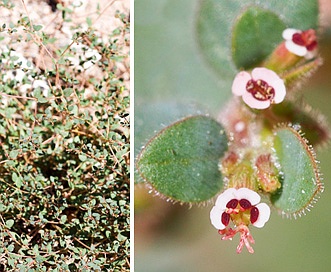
239	205
242	207
263	86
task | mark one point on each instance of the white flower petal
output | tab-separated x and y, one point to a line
216	218
254	103
251	196
280	91
225	197
240	82
296	49
264	215
264	74
289	32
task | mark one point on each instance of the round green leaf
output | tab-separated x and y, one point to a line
63	219
301	181
37	27
68	91
10	223
181	162
82	157
251	40
216	20
13	154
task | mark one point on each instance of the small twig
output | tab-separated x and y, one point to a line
11	236
1	162
32	32
65	50
104	10
18	96
22	191
82	243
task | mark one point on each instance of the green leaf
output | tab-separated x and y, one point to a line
251	40
216	20
10	248
63	219
89	21
37	27
9	112
68	91
82	157
10	223
17	179
11	262
181	162
2	207
39	95
121	237
301	178
13	154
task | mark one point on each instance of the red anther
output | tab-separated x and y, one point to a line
297	39
254	214
245	204
232	204
225	219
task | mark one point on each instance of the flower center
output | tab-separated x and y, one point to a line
306	38
260	90
240	211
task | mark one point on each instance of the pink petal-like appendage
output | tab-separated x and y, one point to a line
225	197
251	196
254	103
240	82
264	74
296	49
215	218
280	91
289	32
264	215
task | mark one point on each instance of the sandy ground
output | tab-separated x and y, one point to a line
102	14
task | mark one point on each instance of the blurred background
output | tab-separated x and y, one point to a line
171	76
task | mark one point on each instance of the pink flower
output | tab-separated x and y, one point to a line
242	208
260	88
300	43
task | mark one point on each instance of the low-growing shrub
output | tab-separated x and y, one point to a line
64	145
